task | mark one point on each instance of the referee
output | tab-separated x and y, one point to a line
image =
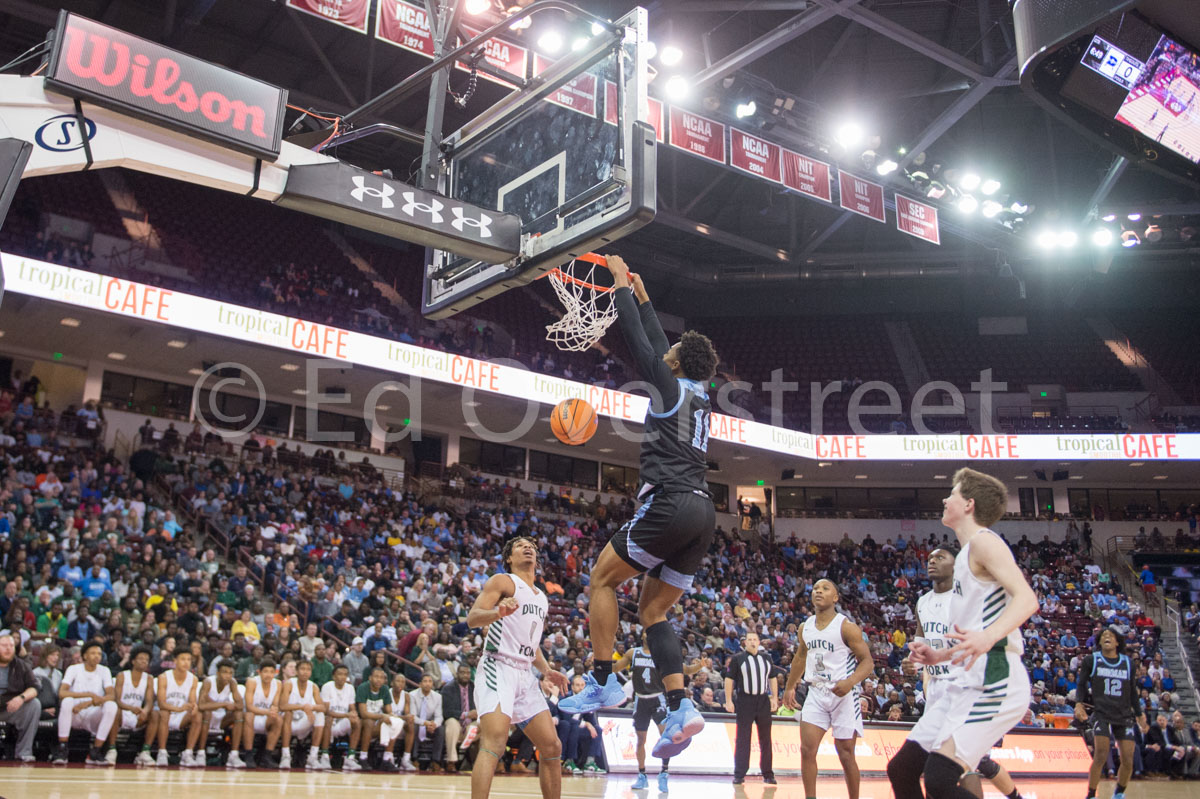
756	698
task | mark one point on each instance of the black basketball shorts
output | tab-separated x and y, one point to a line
647	709
668	536
1112	730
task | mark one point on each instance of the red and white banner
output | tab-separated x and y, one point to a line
500	54
655	117
577	95
757	156
698	135
917	219
404	25
350	14
861	196
808	176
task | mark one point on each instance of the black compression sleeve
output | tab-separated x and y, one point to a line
653	328
651	366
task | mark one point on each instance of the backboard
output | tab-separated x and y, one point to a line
569	158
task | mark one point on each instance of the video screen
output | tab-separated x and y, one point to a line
1132	72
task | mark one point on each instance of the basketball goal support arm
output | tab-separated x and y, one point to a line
651	366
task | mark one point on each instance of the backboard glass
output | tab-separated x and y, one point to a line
570	159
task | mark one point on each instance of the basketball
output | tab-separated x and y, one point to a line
573	422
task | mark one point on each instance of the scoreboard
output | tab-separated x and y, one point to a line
1112	62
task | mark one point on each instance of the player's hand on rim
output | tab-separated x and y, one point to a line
971	645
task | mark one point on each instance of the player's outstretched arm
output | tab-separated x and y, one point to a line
556	677
993	555
495	601
650	365
853	638
653	328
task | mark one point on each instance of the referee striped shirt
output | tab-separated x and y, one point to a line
751	674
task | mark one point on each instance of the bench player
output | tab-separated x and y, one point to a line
672	529
513	610
990	602
134	692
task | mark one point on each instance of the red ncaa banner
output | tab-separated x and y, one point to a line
861	196
808	176
698	135
404	25
499	54
917	219
577	95
759	157
350	14
655	117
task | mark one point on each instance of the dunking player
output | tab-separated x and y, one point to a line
506	691
1106	683
673	528
649	704
933	615
990	601
833	657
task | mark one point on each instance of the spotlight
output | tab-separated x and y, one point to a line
990	187
970	181
597	29
991	208
850	135
1134	217
550	42
522	23
746	109
651	49
887	167
1102	237
967	204
1130	239
1154	233
477	6
1047	239
1109	218
1068	239
670	56
677	87
1018	208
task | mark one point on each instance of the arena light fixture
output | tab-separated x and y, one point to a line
968	204
289	367
746	109
597	29
477	6
176	344
1047	240
970	181
1134	217
677	87
670	56
991	208
1102	237
1109	218
1160	477
1019	208
850	135
651	49
117	356
195	372
68	321
300	391
1130	239
990	186
550	42
887	167
1067	239
383	407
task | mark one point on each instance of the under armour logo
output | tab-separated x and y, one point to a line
482	224
364	190
434	208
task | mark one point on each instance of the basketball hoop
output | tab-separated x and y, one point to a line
590	310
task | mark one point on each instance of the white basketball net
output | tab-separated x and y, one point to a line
590	309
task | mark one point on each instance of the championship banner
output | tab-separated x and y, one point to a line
1047	754
861	196
578	94
499	54
917	219
140	302
654	117
697	135
808	176
757	156
404	25
350	14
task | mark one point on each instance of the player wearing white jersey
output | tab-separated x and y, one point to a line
262	715
86	702
991	600
833	658
933	622
176	693
506	691
341	715
220	703
303	715
134	692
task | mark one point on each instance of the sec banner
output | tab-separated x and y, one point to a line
917	219
347	13
1047	754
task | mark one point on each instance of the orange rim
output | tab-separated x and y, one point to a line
591	258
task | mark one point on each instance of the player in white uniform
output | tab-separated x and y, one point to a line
341	715
506	690
990	602
933	620
833	658
86	702
220	704
303	716
176	695
262	715
134	692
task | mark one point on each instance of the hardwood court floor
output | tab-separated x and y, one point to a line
78	782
